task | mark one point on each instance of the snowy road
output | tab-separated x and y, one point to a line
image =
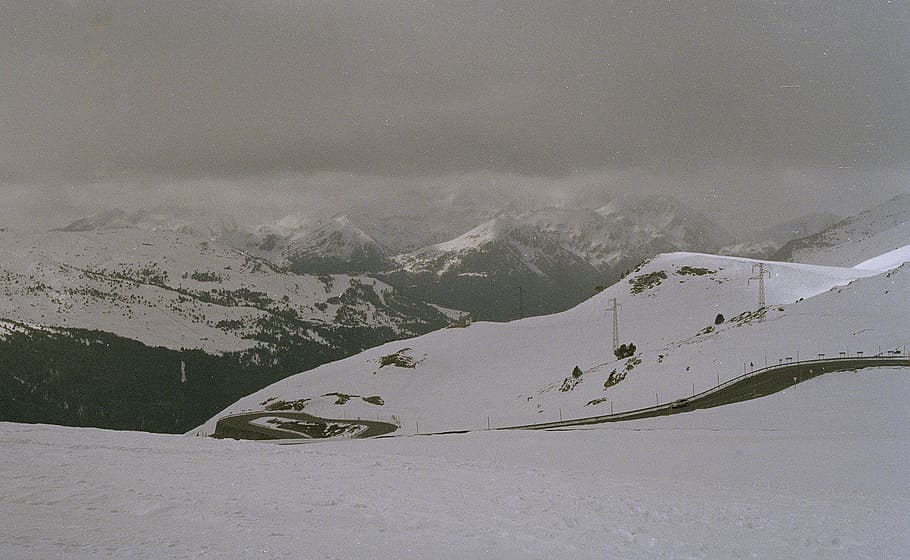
286	425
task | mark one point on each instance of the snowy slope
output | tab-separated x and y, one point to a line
872	232
514	373
765	243
816	472
180	291
887	261
504	234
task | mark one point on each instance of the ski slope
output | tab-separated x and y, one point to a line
817	471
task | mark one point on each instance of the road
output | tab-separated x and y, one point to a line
750	386
240	426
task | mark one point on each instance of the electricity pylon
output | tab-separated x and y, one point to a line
760	272
615	309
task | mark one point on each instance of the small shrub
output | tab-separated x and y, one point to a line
398	359
569	383
624	351
461	322
614	378
340	398
694	271
201	276
647	281
275	405
719	319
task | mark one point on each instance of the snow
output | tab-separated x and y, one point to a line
444	256
818	471
872	232
511	374
339	239
97	280
887	261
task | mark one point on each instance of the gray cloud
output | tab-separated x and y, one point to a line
115	90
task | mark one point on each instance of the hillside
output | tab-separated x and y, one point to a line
174	298
766	242
180	291
872	232
521	372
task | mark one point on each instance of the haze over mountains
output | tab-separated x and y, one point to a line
221	311
871	232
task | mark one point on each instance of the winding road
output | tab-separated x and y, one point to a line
758	383
299	426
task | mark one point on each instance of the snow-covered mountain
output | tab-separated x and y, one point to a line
855	239
554	256
628	229
524	371
338	247
156	219
180	295
768	241
179	291
501	269
512	265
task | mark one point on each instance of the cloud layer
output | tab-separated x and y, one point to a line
100	90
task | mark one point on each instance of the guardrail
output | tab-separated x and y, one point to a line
691	403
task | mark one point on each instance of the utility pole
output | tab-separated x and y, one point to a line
760	272
615	309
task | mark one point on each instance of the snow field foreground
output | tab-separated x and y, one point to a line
502	374
817	471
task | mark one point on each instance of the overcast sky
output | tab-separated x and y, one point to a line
737	107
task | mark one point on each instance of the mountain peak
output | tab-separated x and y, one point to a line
485	233
336	247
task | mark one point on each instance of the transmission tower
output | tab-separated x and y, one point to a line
760	272
615	309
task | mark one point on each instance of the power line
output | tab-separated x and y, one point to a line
615	309
760	272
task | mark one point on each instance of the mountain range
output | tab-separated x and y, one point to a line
694	319
211	321
217	311
517	263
